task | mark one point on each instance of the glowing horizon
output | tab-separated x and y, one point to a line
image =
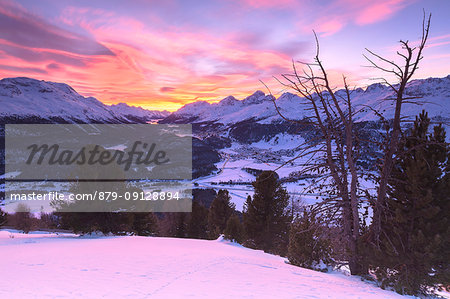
162	55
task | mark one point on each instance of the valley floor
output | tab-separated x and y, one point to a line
49	265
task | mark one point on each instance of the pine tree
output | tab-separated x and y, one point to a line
220	210
197	226
110	220
180	225
145	224
234	230
2	218
415	242
23	219
266	219
309	246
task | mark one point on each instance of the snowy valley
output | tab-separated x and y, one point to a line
234	140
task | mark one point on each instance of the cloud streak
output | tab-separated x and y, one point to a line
22	28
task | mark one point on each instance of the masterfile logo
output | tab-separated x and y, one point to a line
127	151
99	167
97	155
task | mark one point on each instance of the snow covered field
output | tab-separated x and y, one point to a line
48	265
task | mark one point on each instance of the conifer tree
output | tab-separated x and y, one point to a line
113	218
415	241
234	230
220	210
2	218
23	219
309	246
180	225
172	224
197	226
144	224
266	218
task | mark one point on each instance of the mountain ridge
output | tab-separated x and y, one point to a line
435	93
245	131
28	98
23	97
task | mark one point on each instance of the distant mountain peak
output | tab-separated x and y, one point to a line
435	91
24	98
229	100
256	98
375	87
133	112
27	98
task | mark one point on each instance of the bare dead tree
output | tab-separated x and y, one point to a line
403	71
335	152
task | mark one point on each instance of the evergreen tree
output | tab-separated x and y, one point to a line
109	216
145	224
2	218
23	219
197	226
220	210
48	220
173	224
180	225
309	246
414	252
234	230
89	222
266	218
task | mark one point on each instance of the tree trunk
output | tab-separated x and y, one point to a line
388	162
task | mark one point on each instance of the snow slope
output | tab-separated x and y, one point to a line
25	97
46	265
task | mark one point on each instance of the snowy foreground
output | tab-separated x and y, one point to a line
50	265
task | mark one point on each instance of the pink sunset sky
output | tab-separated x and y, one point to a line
164	54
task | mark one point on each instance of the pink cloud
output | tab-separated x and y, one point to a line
330	27
22	28
333	17
436	41
270	3
146	63
379	11
123	58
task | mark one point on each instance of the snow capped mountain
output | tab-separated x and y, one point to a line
228	110
28	98
256	98
435	93
25	98
42	101
228	101
132	112
243	132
